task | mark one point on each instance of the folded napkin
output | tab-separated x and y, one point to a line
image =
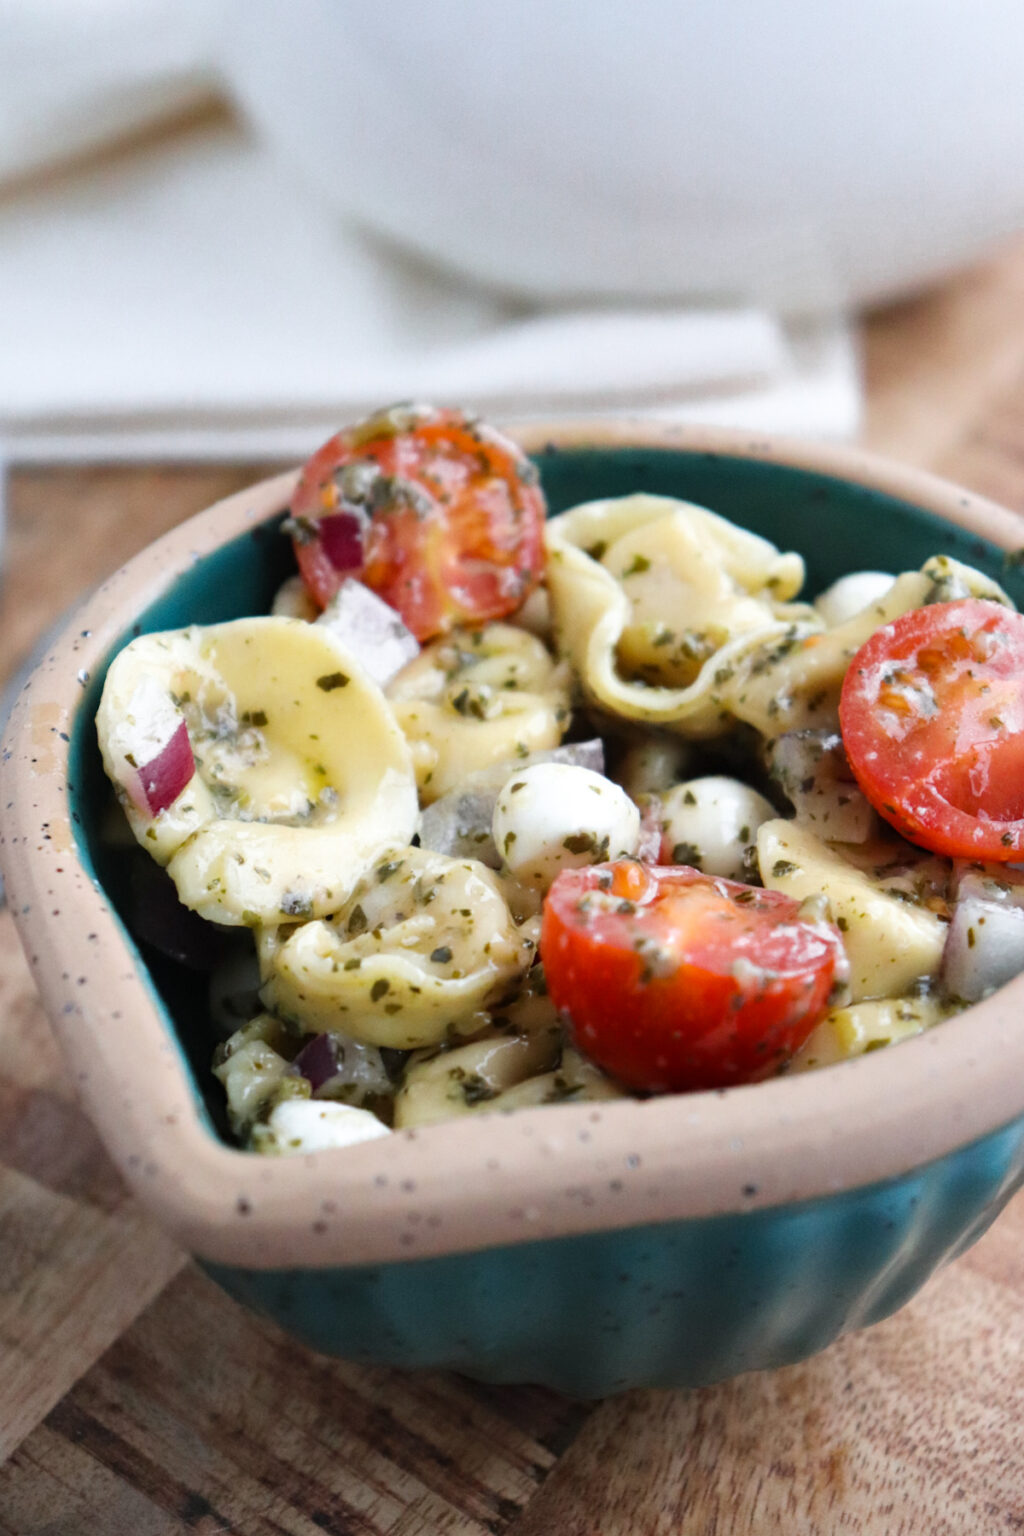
187	298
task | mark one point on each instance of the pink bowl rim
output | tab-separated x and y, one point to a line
485	1180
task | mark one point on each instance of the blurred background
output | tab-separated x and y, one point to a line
226	225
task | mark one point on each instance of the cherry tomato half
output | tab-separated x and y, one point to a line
674	980
932	716
450	514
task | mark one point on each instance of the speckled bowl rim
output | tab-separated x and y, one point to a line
487	1180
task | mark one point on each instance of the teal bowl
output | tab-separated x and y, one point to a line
591	1248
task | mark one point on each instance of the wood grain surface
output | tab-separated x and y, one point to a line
137	1400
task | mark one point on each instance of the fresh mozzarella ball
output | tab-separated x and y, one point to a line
311	1125
851	594
712	824
554	816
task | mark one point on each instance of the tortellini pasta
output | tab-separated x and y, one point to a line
885	897
518	1059
424	943
672	616
301	774
794	683
501	1072
448	1083
253	1067
654	598
475	698
862	1027
574	1080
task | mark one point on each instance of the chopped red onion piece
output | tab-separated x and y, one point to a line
459	825
985	944
318	1059
579	754
811	769
371	629
341	539
163	778
338	1067
649	847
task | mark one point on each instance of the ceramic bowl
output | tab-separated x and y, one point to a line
809	158
589	1247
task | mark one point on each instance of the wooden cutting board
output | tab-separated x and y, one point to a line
137	1400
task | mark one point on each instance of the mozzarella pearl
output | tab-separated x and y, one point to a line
311	1125
553	816
712	824
851	595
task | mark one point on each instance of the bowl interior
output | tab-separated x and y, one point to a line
837	526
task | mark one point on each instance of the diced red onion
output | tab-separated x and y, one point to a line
341	539
338	1067
578	754
371	629
811	769
648	848
459	825
318	1059
163	778
985	945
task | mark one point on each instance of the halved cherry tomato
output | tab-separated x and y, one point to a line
673	980
450	511
932	715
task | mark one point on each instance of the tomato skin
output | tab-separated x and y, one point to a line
674	980
456	517
932	717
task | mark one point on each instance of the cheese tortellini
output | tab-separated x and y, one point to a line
301	773
654	599
794	683
518	1059
863	1027
422	946
475	698
885	897
673	616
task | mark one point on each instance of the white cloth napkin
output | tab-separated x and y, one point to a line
189	300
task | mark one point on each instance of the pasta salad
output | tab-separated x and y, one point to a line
517	811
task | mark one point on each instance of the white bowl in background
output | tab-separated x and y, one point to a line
802	155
